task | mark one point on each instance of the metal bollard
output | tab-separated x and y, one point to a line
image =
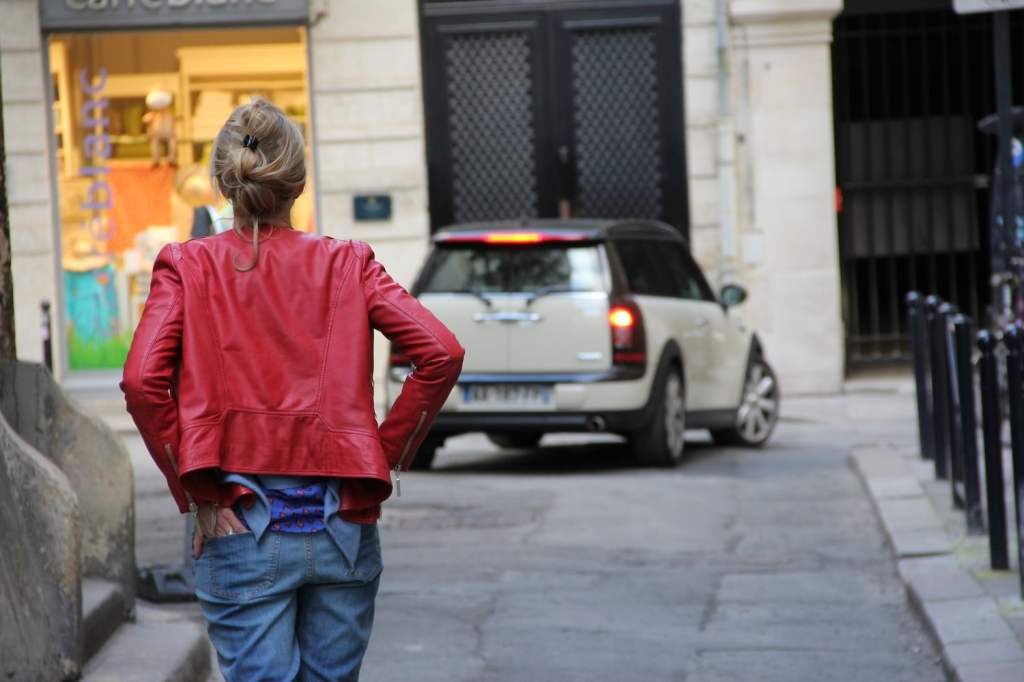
919	354
940	386
956	445
968	426
1014	340
44	321
991	428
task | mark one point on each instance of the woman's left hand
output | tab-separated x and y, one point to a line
214	521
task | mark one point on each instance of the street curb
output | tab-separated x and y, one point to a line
103	612
153	651
965	623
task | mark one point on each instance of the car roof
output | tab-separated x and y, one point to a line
593	228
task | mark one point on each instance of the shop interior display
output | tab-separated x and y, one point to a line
212	108
89	291
115	123
207	217
161	123
217	78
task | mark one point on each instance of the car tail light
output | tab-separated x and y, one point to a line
629	345
513	238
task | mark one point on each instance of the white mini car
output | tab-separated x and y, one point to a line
587	325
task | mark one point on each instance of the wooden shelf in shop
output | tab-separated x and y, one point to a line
257	83
246	61
138	84
129	139
237	69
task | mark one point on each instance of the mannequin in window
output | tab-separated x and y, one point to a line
197	192
160	124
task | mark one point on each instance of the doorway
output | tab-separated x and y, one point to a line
545	112
911	81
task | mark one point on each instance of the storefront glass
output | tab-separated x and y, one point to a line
135	115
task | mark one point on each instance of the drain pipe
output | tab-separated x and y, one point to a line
727	270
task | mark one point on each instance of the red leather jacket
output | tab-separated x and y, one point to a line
271	371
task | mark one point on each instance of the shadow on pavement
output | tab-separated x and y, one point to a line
577	458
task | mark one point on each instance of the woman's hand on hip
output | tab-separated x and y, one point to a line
214	521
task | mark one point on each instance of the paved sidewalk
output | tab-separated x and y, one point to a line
974	614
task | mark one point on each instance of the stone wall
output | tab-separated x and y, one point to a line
368	134
67	511
762	175
700	89
40	586
788	234
93	459
33	256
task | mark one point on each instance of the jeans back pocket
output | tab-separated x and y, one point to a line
369	563
241	568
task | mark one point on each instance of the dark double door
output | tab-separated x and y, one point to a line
538	112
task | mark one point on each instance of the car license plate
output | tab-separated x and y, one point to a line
507	397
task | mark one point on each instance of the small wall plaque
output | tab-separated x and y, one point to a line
372	207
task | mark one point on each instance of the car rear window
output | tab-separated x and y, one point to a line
661	268
514	269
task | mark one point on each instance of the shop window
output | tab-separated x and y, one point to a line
134	118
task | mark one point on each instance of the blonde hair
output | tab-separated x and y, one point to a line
258	178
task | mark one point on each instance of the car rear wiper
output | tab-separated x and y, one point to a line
544	291
476	292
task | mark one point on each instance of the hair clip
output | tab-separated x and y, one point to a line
250	142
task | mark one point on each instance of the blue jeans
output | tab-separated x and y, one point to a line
288	607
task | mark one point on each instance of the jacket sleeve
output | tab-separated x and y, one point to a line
149	371
434	351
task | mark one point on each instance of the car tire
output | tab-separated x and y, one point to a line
515	441
758	412
662	442
425	455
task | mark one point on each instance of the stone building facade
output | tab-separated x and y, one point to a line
759	142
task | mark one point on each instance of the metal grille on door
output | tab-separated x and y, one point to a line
911	166
544	110
493	137
616	123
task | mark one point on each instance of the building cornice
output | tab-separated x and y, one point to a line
766	23
783	11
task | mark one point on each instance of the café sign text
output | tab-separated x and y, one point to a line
70	15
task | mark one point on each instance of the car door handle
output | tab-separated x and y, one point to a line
506	317
701	322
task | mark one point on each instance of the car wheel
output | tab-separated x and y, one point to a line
515	441
759	411
425	455
661	443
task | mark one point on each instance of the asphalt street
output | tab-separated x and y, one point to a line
567	563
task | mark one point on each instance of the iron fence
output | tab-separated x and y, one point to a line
949	372
911	81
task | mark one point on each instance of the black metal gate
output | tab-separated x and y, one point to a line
535	111
911	80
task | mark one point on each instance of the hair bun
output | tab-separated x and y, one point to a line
264	172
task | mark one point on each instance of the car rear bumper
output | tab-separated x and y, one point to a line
572	394
595	403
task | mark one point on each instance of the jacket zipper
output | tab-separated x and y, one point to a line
192	506
405	453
